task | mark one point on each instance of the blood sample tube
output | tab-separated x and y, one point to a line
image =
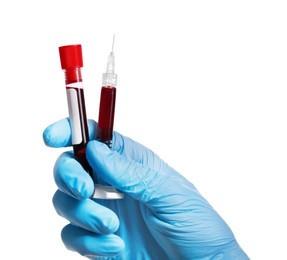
71	63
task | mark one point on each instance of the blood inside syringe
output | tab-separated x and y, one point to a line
106	115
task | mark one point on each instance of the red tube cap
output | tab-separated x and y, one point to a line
71	56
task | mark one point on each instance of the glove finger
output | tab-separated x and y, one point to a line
59	133
86	214
139	181
90	244
71	178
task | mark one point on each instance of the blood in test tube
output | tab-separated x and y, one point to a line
71	63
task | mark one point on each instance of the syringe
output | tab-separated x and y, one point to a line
106	121
107	102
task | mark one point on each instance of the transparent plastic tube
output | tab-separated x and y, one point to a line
72	62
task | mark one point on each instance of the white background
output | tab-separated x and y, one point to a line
202	83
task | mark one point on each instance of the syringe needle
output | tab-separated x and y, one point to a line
113	43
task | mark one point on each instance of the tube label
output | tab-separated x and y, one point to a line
75	85
74	115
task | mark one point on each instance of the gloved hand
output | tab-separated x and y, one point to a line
162	216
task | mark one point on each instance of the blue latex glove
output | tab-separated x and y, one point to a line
162	216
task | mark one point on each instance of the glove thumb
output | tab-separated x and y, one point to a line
139	181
